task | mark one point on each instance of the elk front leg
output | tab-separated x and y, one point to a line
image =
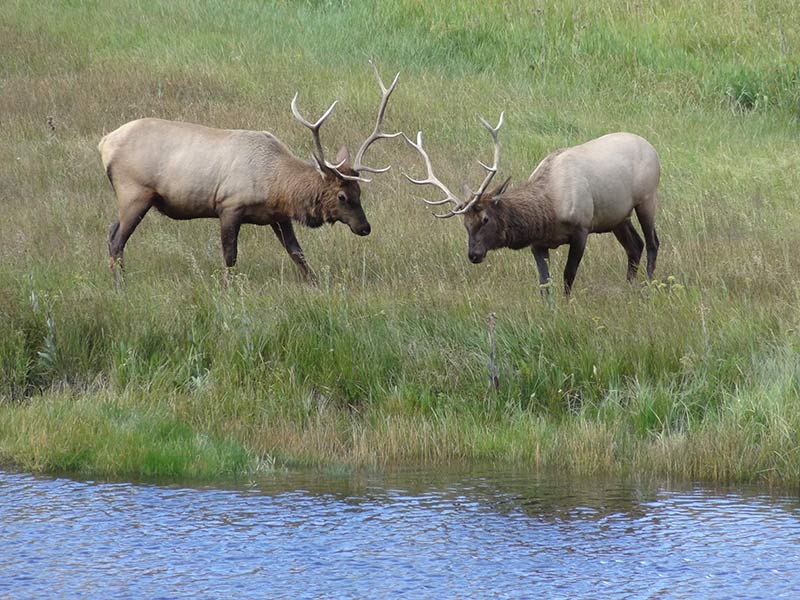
576	247
542	257
285	234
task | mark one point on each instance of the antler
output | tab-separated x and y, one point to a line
320	154
314	127
374	136
432	179
491	170
376	133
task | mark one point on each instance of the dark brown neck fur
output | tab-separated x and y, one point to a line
300	193
527	214
527	211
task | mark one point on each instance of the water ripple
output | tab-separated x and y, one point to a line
420	535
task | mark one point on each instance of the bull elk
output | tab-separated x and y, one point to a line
188	171
591	188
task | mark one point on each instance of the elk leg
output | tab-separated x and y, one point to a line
130	215
647	222
285	234
576	247
229	235
542	257
112	233
633	244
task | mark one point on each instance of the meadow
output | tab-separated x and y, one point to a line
692	375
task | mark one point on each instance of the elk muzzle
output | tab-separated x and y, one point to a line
476	256
476	248
360	227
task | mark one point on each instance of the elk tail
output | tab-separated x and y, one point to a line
110	177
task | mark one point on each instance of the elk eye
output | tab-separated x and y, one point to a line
485	219
342	197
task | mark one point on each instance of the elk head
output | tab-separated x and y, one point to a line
480	209
341	192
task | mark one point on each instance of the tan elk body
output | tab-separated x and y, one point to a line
188	171
594	187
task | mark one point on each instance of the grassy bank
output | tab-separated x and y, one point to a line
695	375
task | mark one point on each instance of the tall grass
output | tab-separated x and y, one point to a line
693	375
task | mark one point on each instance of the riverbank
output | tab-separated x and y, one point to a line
694	375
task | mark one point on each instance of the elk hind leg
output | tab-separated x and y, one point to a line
132	210
645	212
229	235
629	239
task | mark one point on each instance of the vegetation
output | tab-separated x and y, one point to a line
693	375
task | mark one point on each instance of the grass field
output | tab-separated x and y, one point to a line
385	365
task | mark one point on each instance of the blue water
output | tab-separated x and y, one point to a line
415	535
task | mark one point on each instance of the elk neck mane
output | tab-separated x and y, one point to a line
299	192
527	209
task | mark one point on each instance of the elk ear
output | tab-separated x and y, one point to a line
500	189
342	156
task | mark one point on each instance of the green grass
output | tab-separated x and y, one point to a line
695	375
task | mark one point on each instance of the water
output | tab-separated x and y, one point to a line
416	535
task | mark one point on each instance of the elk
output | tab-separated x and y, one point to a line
591	188
188	171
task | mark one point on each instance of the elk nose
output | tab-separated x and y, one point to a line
475	258
365	229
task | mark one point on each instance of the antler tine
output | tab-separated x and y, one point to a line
491	170
314	127
377	133
432	179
